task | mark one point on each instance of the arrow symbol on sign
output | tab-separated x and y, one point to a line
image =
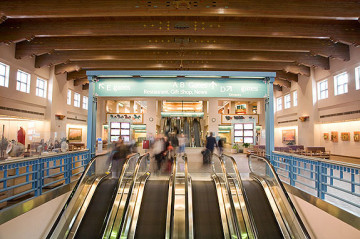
101	86
213	84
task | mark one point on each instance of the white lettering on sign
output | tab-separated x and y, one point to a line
227	88
249	88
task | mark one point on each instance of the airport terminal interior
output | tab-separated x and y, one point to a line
180	119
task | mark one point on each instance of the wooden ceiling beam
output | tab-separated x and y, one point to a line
75	75
15	30
334	9
174	65
58	57
85	86
282	83
277	88
81	81
43	45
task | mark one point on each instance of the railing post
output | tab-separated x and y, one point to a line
68	168
39	175
291	171
318	179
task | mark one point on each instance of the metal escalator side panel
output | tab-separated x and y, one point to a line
189	209
64	225
80	215
262	169
277	212
139	198
222	206
241	211
114	220
179	219
169	210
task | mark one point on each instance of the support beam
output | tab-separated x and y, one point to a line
85	87
81	81
282	83
91	120
269	118
277	88
322	9
185	65
287	76
76	75
15	30
58	57
43	45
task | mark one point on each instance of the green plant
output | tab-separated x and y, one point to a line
235	146
246	145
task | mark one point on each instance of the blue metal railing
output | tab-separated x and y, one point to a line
335	182
34	175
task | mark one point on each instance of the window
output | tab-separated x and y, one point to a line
341	83
69	97
323	89
76	99
23	82
295	98
41	86
85	102
278	104
357	77
287	101
4	75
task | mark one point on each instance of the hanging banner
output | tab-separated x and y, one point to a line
229	88
231	118
134	118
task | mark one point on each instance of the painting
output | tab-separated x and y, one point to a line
357	136
326	136
345	136
288	137
334	136
75	135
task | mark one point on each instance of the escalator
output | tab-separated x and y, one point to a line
152	216
92	225
207	219
261	211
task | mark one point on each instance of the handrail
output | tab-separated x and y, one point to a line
113	212
235	221
188	201
302	225
254	232
72	194
339	163
170	204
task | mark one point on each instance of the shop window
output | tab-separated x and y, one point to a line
41	86
244	133
322	89
68	97
278	104
85	102
76	99
23	81
287	101
357	77
295	98
4	75
341	83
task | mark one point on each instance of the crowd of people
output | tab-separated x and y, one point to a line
163	149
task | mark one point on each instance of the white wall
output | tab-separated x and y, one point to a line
55	103
311	131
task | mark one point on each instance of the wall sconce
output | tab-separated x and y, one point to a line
60	117
303	118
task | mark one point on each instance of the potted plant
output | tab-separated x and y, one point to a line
235	149
246	146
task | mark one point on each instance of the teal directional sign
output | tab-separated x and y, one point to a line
173	87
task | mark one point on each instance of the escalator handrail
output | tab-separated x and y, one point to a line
227	185
123	171
238	178
188	201
81	179
276	176
170	209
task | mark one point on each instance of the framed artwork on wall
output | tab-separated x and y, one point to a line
75	135
357	136
334	136
288	137
345	136
326	136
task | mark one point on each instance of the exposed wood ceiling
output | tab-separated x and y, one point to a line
289	37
